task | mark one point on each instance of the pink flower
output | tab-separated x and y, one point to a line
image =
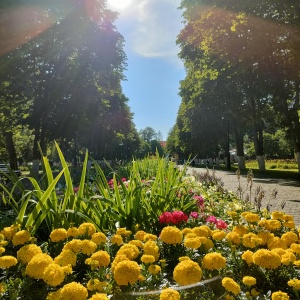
173	217
199	199
75	189
221	224
212	219
179	216
166	217
194	215
123	179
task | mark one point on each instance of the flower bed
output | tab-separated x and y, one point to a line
183	239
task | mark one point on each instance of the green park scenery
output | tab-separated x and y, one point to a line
145	230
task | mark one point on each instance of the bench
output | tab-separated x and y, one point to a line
4	169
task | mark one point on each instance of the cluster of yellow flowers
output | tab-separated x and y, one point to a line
254	241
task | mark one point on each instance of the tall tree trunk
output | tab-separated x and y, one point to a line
10	147
257	129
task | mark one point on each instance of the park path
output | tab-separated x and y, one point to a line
288	191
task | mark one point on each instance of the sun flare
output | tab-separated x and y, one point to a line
119	3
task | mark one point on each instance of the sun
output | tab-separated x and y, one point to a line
119	3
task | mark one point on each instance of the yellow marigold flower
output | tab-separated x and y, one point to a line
54	295
3	243
233	237
265	236
202	230
128	233
8	232
142	278
121	231
280	296
276	242
169	294
99	238
101	258
249	280
126	272
66	257
117	239
140	235
266	259
150	237
233	214
213	261
192	243
2	250
27	252
277	215
288	218
154	269
96	284
254	293
230	285
74	245
21	237
171	235
187	272
295	248
279	251
288	258
74	291
289	224
117	260
88	247
248	257
54	274
204	240
7	261
87	229
208	245
251	240
147	259
37	265
297	263
289	238
73	232
191	235
98	296
58	235
240	230
219	235
2	288
151	248
130	250
294	283
252	218
137	243
274	225
185	231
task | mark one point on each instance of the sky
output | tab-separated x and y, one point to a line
150	28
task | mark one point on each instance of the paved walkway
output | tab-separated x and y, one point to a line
287	191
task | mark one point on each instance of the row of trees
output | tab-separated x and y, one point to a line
242	61
62	64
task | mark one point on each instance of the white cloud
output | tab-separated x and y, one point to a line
155	25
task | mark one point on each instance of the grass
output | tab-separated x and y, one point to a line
280	169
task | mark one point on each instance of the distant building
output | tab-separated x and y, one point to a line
163	143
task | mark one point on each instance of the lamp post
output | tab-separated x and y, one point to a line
227	147
228	163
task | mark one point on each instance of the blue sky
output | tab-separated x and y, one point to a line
150	28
